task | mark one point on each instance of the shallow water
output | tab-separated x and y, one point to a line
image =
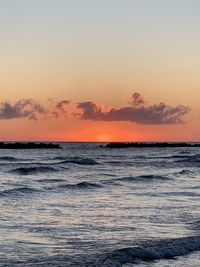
81	205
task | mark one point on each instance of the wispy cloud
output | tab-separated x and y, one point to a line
24	108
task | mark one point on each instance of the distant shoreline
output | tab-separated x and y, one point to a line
28	145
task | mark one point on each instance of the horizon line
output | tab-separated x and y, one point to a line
76	141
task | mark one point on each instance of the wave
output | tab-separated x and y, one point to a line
45	168
33	170
195	225
58	158
187	172
79	161
180	193
150	251
180	156
146	178
8	159
18	191
53	180
75	160
163	157
81	185
191	158
108	174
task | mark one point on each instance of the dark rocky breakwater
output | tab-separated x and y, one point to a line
153	144
29	145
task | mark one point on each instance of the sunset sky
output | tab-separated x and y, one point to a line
109	70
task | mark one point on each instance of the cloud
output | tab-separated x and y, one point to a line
30	109
136	100
138	113
24	108
62	108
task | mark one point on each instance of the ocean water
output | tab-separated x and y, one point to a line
85	205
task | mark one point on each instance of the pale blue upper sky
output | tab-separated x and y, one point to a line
88	41
57	17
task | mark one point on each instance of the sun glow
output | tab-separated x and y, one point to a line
104	138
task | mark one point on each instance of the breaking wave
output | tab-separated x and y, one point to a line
150	251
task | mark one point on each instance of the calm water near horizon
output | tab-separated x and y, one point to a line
83	204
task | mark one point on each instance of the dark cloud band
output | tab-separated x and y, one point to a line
156	114
136	112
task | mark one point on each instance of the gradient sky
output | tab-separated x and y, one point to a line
99	51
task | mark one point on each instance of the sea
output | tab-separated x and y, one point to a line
86	205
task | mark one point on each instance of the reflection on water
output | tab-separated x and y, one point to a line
83	200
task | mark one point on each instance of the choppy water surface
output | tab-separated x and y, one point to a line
84	205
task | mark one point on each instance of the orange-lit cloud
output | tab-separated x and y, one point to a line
155	114
138	112
24	108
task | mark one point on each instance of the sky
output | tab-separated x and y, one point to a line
108	70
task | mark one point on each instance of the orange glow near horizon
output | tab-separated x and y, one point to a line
89	131
103	52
